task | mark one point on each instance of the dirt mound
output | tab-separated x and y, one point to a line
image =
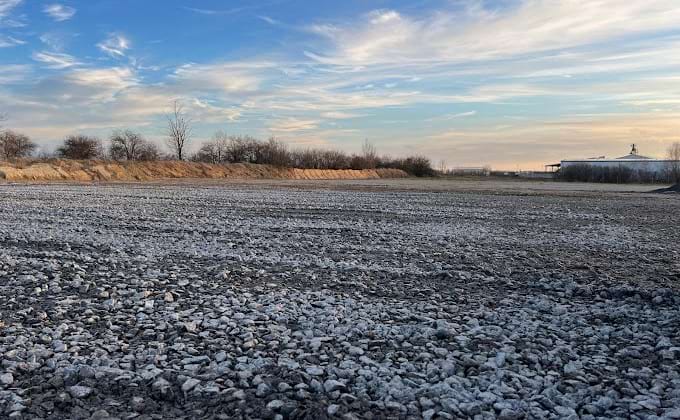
70	170
674	189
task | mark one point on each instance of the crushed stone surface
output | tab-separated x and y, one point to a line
134	302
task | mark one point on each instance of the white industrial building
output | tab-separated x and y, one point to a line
633	165
632	161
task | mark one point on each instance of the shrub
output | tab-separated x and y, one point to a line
81	147
236	149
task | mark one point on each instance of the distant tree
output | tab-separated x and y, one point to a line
306	159
206	153
442	167
674	164
178	130
242	149
417	165
333	159
3	118
215	150
126	145
80	147
369	154
273	152
15	146
148	152
221	146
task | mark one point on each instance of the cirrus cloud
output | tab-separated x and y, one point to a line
115	45
56	60
59	12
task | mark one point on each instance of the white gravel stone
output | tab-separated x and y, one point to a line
6	379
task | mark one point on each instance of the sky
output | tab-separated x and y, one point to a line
514	84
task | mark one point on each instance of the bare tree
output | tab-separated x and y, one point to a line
369	154
206	153
126	145
442	167
674	162
81	147
179	130
242	149
221	142
15	146
3	118
214	151
273	152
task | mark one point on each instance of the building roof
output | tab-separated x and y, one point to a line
634	156
631	157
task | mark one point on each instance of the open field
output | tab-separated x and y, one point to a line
364	299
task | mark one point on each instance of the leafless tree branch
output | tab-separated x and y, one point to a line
179	130
128	145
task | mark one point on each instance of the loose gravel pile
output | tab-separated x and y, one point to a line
255	302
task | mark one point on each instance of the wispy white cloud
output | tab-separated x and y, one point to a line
290	125
386	36
56	60
449	117
112	80
6	6
14	73
222	77
211	113
339	115
269	20
59	12
213	12
55	41
116	45
8	41
7	19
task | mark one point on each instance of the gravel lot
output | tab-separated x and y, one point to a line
267	301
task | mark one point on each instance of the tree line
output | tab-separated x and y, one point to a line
128	145
231	149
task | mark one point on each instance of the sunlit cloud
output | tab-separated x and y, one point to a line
224	77
533	26
55	60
